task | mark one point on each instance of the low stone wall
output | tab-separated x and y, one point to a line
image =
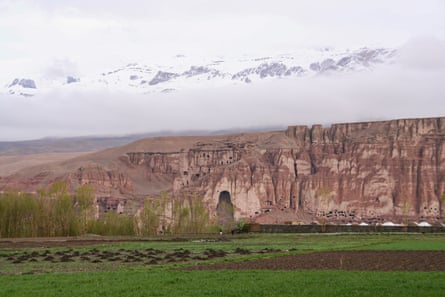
341	229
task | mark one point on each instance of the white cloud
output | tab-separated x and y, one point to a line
113	30
423	52
60	68
59	37
388	92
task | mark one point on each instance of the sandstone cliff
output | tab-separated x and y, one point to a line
371	172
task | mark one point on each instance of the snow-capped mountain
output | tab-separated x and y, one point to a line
184	72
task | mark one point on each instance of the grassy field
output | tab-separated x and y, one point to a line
142	282
83	278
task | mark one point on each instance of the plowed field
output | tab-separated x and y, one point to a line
344	260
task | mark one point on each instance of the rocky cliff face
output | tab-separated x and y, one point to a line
371	172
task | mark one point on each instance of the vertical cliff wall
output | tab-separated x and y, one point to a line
371	171
354	172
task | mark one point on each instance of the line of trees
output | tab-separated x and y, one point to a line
55	212
161	214
52	212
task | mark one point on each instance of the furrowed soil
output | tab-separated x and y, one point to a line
343	260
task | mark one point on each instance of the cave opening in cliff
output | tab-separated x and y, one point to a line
224	209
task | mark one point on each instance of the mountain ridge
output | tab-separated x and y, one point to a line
98	142
183	73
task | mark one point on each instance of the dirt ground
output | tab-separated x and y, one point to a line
12	245
41	242
344	260
73	242
10	164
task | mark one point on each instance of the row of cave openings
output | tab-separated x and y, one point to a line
229	160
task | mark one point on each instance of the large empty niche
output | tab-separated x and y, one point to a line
224	209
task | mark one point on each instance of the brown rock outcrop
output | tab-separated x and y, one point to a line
371	171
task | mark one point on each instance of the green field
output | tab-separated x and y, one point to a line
79	278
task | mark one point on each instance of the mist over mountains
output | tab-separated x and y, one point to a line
200	93
183	72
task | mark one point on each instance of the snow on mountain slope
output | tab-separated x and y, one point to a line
183	72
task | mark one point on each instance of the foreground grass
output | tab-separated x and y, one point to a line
140	282
113	279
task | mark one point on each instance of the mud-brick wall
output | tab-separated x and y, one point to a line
341	229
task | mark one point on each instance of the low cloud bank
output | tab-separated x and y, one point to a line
411	87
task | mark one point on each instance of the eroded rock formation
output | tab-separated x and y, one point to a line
371	172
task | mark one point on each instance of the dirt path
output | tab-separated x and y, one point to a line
344	260
72	242
13	244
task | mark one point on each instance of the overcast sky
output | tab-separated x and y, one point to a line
87	36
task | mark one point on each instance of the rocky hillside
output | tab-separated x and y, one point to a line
357	172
